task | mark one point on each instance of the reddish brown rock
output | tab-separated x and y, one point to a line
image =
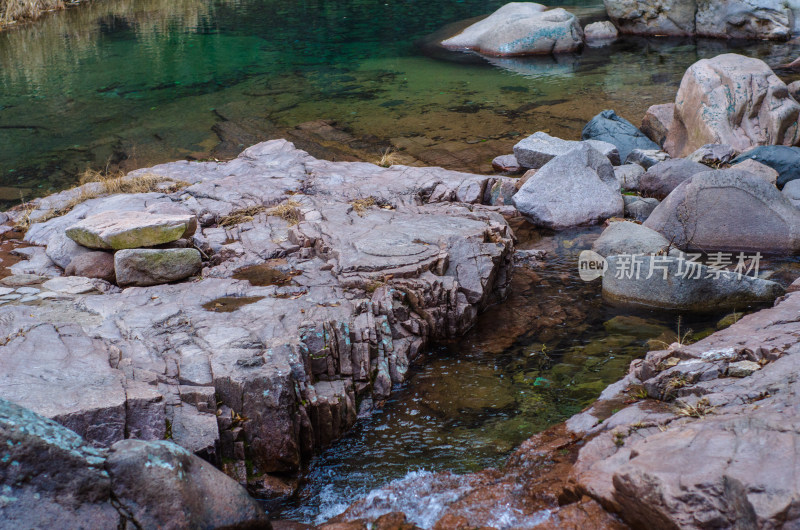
657	121
93	265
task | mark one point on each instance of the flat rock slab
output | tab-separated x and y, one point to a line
540	148
143	267
123	230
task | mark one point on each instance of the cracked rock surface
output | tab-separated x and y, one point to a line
321	282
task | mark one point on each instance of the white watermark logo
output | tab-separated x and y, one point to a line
591	265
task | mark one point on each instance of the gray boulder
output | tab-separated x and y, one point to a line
653	17
628	176
521	28
121	230
625	237
540	148
758	169
576	188
62	250
143	267
662	178
732	100
713	154
728	210
792	192
639	208
616	130
599	34
647	158
670	282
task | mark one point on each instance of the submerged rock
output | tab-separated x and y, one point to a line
576	188
540	148
123	230
521	28
732	100
670	282
728	210
608	127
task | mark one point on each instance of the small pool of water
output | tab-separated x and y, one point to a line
130	83
531	362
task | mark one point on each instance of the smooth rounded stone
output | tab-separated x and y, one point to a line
647	158
733	100
792	192
639	208
521	28
657	121
743	368
662	178
628	176
573	189
72	285
760	170
20	280
506	164
625	237
96	264
62	250
713	154
783	159
728	210
144	267
540	148
608	127
599	34
152	479
700	291
123	230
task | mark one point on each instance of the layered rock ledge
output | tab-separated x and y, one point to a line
321	282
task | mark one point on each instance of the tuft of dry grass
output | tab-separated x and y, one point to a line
112	184
360	205
240	216
698	410
287	211
15	10
388	158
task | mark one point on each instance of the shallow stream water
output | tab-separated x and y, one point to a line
130	83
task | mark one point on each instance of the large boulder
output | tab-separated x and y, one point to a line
120	230
728	210
625	237
673	282
653	17
608	127
732	100
52	478
741	19
540	148
662	178
521	28
577	188
147	266
783	159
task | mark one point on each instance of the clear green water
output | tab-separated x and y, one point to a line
130	83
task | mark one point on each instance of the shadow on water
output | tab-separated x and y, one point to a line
538	358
